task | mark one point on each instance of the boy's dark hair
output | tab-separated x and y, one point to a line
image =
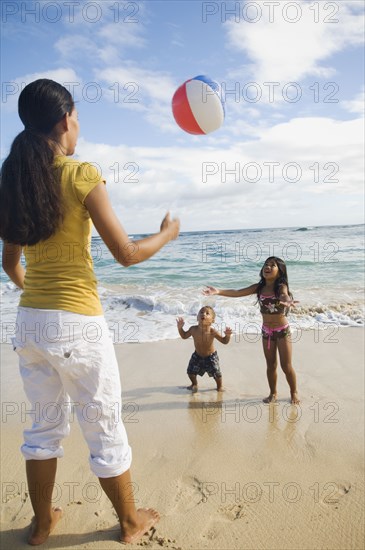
30	195
211	309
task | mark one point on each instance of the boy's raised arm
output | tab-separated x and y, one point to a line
223	339
183	333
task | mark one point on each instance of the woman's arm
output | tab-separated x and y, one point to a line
125	251
230	293
11	263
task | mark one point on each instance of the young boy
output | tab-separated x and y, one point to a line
205	358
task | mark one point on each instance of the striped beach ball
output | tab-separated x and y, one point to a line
197	105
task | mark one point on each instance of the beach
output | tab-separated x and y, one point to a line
224	470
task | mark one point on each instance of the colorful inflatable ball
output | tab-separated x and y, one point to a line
197	105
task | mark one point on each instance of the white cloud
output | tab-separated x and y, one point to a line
155	85
240	183
284	51
117	27
145	90
12	89
66	46
131	35
356	105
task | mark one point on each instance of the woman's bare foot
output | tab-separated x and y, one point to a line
193	388
271	398
39	534
294	398
146	518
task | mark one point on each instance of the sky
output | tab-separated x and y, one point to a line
291	75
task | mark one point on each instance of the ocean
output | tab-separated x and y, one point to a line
325	270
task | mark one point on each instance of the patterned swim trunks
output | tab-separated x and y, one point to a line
200	365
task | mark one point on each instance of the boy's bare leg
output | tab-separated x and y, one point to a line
194	383
41	475
134	523
219	382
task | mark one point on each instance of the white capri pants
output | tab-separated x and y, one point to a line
67	362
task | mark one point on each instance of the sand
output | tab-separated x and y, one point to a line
224	470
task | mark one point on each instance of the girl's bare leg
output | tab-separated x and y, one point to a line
285	354
41	475
271	369
134	523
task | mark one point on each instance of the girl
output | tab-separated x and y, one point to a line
47	204
275	299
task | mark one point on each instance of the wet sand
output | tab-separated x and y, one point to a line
224	470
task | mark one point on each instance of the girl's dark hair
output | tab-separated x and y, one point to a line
279	282
31	206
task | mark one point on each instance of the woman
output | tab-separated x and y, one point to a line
47	204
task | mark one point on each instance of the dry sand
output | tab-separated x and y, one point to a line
224	470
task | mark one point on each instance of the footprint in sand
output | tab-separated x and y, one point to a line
235	511
14	506
210	534
104	525
188	493
151	538
232	512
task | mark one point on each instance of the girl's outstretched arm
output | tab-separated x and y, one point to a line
285	298
125	251
11	263
230	293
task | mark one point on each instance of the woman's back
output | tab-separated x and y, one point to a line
60	269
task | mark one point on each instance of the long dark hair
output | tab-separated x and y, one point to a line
281	280
31	207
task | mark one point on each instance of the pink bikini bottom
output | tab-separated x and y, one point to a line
269	333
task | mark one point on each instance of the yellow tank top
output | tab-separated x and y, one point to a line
59	270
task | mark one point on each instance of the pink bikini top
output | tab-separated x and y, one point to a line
271	305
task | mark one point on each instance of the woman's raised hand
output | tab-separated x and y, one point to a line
170	225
